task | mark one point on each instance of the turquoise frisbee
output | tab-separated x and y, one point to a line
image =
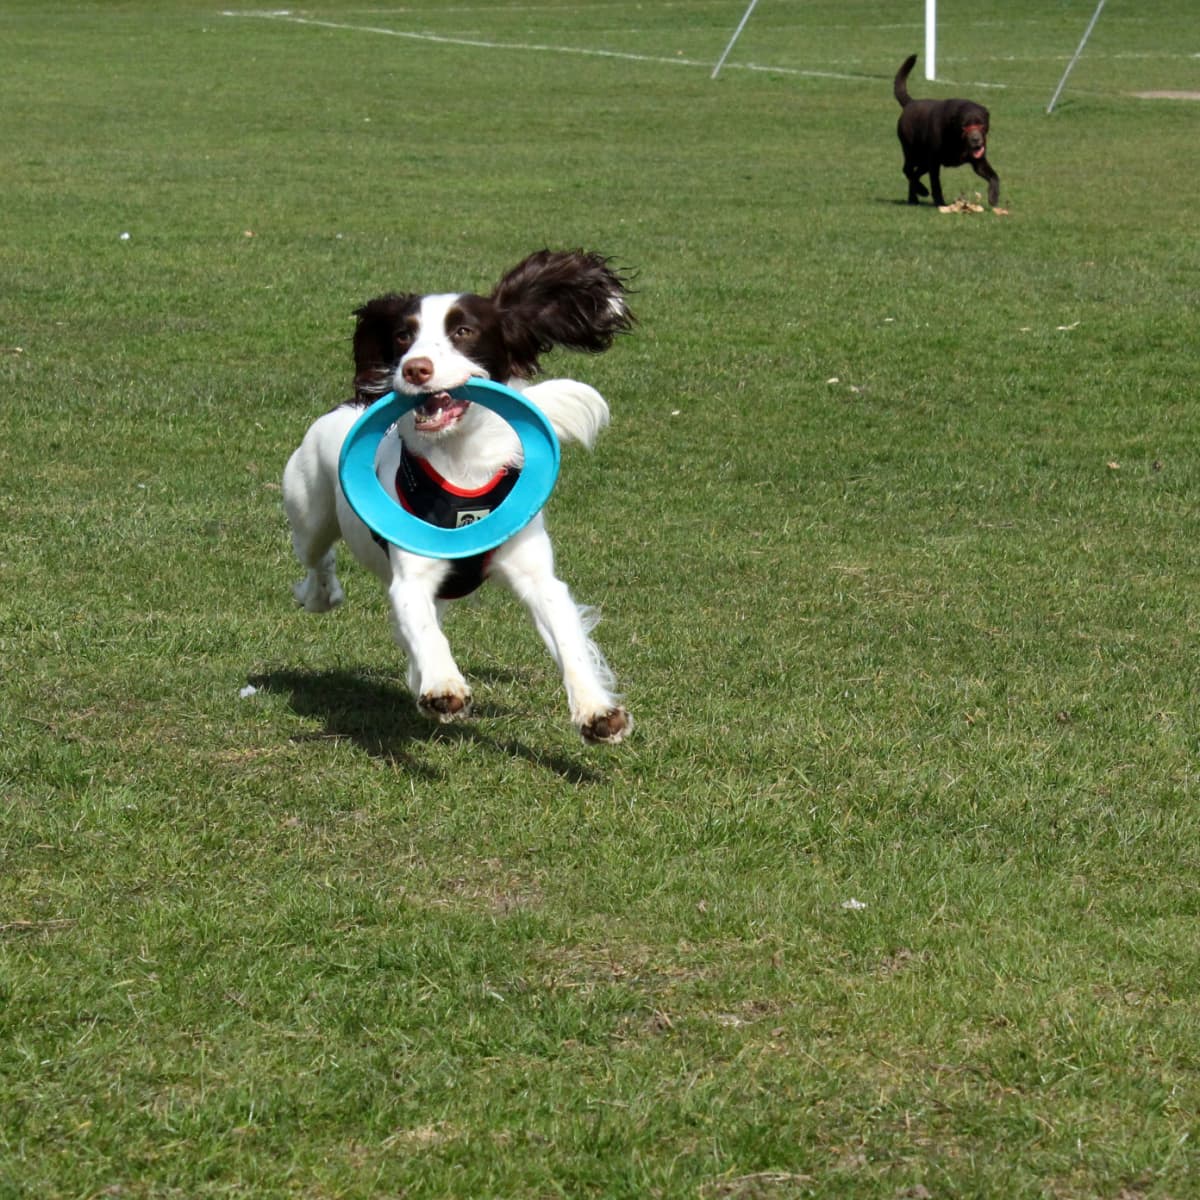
384	516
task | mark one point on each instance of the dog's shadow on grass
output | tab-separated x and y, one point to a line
378	716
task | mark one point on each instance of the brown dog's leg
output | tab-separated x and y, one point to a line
935	185
912	172
984	170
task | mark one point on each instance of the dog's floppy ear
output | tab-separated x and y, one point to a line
570	298
375	343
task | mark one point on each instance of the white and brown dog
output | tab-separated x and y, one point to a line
448	460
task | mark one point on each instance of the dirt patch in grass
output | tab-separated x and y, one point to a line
759	1186
492	886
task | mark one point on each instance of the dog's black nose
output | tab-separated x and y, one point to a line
418	371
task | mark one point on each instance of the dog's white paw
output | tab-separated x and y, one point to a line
607	728
315	594
446	704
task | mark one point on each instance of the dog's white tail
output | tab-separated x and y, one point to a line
576	411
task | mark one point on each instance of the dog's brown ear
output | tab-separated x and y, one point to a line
375	343
570	298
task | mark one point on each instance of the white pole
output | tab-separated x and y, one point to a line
1087	33
930	39
736	34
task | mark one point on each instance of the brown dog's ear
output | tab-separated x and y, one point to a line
375	352
569	298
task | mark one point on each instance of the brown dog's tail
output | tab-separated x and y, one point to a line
901	85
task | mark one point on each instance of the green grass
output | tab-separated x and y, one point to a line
893	537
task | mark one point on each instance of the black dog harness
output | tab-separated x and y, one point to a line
424	493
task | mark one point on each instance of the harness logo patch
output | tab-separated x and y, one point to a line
468	516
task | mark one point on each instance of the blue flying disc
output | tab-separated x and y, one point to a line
383	515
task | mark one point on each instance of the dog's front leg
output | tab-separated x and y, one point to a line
433	675
564	627
984	170
527	565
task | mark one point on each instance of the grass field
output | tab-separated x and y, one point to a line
893	892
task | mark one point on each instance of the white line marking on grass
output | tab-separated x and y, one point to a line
793	71
479	44
1167	95
435	7
970	83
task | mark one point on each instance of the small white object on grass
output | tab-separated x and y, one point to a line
853	905
248	691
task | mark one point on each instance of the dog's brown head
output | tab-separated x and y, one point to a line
974	132
432	344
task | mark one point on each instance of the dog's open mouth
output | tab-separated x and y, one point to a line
975	137
438	411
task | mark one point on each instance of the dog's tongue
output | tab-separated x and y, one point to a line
438	411
978	153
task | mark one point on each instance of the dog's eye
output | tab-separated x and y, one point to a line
403	337
464	331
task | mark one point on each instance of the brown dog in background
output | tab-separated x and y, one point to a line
941	133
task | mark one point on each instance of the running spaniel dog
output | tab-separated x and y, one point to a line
941	133
446	452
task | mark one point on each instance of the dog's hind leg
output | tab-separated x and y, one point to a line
916	189
310	501
935	185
